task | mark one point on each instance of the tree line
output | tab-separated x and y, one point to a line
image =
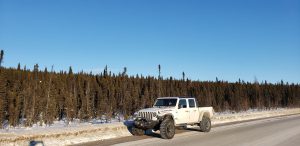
41	96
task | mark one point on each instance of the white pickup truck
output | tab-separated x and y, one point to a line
170	112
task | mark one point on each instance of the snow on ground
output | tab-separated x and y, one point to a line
230	116
61	134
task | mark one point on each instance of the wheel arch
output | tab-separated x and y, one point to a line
204	113
169	116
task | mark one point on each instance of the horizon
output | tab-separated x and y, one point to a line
232	40
25	68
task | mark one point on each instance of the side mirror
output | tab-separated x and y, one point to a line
180	106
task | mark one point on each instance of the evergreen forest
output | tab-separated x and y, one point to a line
31	96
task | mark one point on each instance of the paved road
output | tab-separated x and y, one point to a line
283	131
280	131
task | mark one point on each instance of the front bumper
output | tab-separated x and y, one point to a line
145	124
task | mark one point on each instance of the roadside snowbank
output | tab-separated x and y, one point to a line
59	134
228	116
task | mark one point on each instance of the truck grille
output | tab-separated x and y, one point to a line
147	115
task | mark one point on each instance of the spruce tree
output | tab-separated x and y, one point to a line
1	57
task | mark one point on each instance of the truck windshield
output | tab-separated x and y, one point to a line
165	102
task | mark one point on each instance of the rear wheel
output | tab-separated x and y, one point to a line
137	131
167	129
205	124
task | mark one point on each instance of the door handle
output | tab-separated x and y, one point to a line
195	110
186	111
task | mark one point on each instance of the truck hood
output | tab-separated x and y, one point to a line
156	109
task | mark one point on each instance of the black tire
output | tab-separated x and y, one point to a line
167	129
205	124
137	131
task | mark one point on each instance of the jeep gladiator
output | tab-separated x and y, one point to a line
170	112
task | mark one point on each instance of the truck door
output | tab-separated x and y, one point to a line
193	111
183	112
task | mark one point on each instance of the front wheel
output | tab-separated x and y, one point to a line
137	131
205	124
167	129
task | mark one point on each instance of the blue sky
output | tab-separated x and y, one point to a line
206	39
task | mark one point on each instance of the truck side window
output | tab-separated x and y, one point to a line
182	103
192	103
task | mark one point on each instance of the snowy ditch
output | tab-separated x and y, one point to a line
75	133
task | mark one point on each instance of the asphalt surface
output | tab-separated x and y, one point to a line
279	131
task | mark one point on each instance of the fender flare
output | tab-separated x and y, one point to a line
204	113
170	116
